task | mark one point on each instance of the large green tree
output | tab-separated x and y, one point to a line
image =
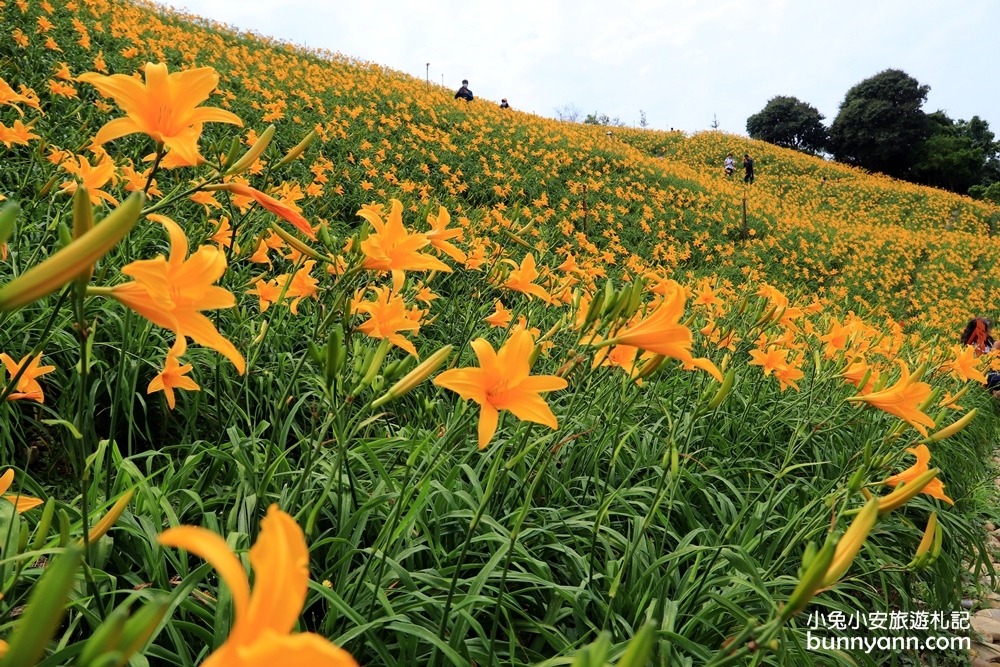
789	122
881	125
951	158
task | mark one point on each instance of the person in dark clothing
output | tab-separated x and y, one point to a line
748	167
464	92
503	104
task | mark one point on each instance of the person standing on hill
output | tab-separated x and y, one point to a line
730	165
503	104
464	92
748	168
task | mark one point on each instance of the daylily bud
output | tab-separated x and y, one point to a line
67	263
856	480
104	525
850	544
260	336
253	152
906	492
8	218
533	357
766	317
811	581
952	429
596	305
83	222
610	297
326	238
410	381
371	369
298	150
724	389
650	366
918	373
297	244
42	530
335	354
234	150
48	186
920	559
63	528
931	399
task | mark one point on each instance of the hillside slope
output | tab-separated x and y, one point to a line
653	199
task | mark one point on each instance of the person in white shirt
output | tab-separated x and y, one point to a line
730	165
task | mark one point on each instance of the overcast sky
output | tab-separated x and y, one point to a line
681	61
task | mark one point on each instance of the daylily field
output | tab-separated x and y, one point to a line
306	362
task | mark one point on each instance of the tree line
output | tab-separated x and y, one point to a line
881	126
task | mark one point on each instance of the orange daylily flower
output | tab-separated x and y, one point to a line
165	107
503	382
856	372
18	133
965	365
301	286
387	316
500	317
934	488
439	235
902	399
265	616
172	375
522	279
392	248
770	361
171	292
8	96
661	332
836	338
21	503
267	291
93	177
269	203
27	387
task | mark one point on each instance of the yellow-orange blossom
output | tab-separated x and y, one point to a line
170	292
165	107
265	617
503	382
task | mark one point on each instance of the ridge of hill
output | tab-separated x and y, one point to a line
646	199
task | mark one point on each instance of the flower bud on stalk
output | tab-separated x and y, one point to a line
83	222
374	365
724	389
8	220
412	379
104	525
66	264
253	152
850	544
931	399
952	429
811	581
298	150
906	492
234	150
297	244
42	530
922	557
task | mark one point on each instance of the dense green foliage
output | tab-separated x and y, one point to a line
789	122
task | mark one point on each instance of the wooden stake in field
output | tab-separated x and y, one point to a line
744	235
